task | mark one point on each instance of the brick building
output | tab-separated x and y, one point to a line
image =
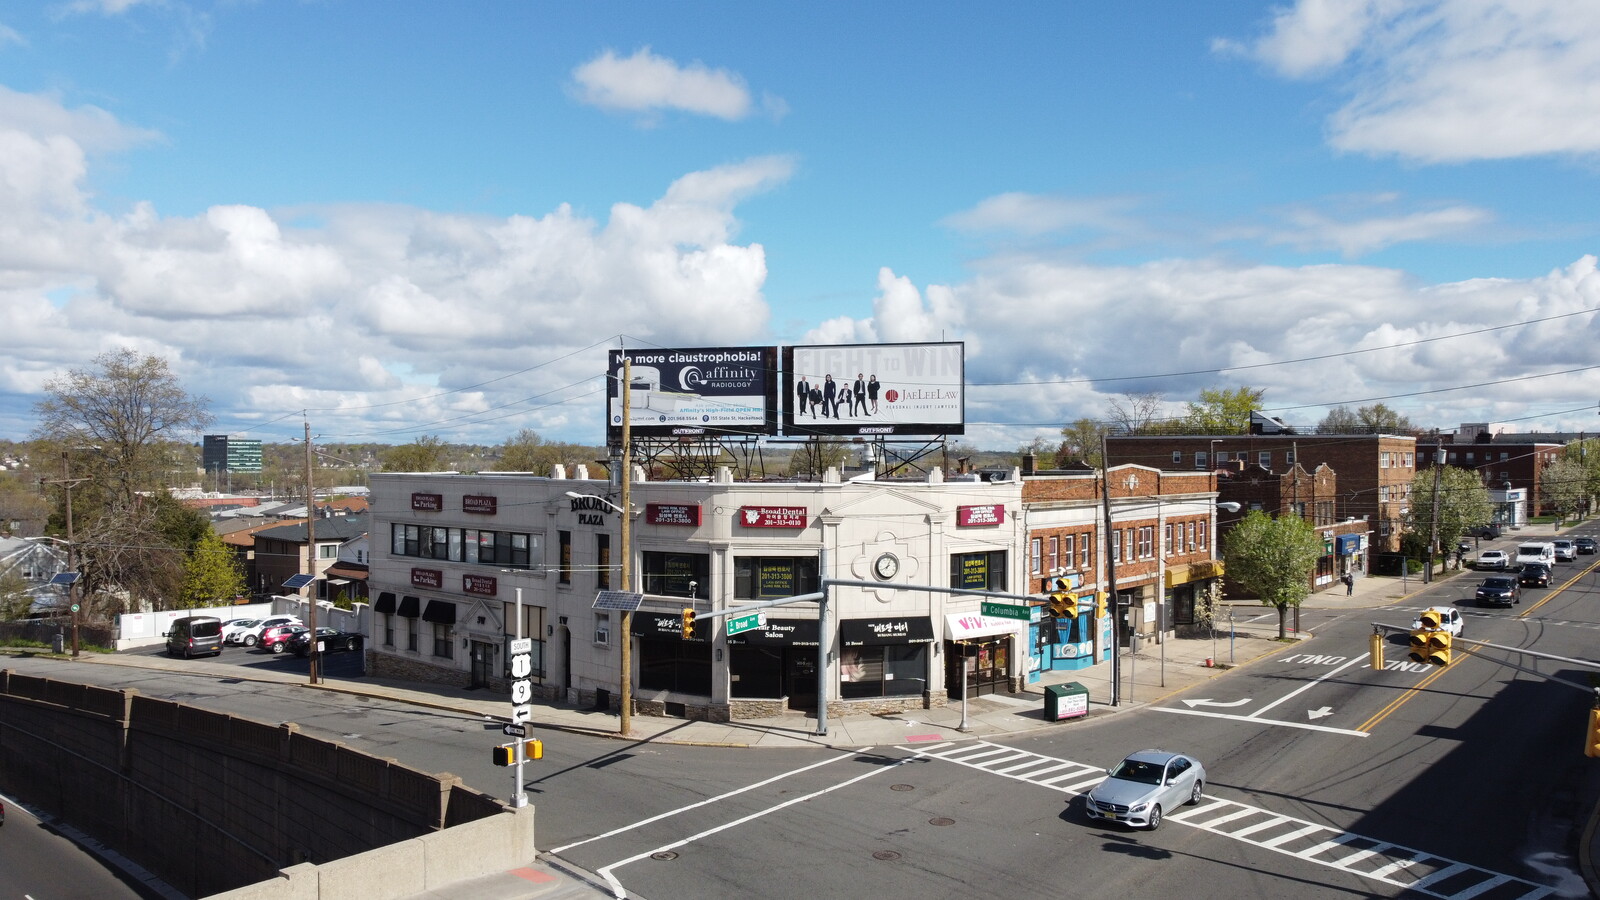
1312	496
1509	466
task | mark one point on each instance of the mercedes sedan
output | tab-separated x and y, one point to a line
1139	790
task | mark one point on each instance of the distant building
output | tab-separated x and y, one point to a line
221	453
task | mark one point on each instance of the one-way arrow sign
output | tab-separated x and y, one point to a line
514	730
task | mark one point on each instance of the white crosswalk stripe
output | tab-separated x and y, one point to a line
1403	867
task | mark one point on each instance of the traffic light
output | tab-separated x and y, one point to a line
1431	646
1429	619
1063	603
1100	604
1591	742
1375	649
688	624
505	755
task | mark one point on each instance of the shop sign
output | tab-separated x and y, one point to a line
672	513
975	572
972	625
478	503
428	578
780	633
427	502
772	516
486	585
992	514
865	632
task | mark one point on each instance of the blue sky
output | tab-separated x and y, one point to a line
397	219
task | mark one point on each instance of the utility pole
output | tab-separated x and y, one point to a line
1111	575
315	668
624	393
67	482
1433	528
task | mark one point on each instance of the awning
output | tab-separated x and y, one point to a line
961	626
440	612
895	630
779	633
1347	544
385	603
409	606
667	625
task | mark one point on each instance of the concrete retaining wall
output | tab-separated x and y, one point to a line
211	802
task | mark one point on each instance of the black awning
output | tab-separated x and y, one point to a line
440	612
409	607
780	633
667	625
896	630
385	603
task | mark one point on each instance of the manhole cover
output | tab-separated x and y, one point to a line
886	855
665	855
902	787
941	820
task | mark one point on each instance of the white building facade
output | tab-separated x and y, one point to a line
450	554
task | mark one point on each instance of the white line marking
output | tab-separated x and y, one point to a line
1304	726
1309	685
1279	841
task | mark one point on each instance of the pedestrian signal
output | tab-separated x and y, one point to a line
505	754
532	749
688	624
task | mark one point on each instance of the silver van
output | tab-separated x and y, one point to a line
195	636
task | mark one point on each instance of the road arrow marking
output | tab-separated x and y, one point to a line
1319	713
1193	703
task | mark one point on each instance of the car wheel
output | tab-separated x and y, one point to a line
1155	817
1194	793
278	647
351	644
249	640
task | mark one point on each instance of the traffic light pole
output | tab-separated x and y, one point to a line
1480	645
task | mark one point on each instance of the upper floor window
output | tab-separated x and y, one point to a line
978	571
676	574
772	577
1264	457
1035	551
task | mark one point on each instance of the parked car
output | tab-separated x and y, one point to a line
1449	619
276	639
1143	786
1565	552
193	636
1584	545
250	640
1485	531
332	640
1492	559
1534	575
1499	590
234	630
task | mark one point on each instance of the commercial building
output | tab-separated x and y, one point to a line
221	453
455	556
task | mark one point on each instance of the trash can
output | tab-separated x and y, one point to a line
59	644
1065	701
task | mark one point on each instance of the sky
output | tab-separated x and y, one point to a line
398	219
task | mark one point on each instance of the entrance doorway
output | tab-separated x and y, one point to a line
482	663
987	664
800	677
566	659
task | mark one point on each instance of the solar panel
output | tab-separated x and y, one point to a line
64	578
623	600
296	582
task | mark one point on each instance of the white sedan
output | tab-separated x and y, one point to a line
1492	559
1141	788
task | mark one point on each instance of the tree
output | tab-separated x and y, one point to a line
815	456
1135	413
1339	420
527	452
1223	411
211	574
128	560
1273	559
1564	486
1463	503
131	408
425	454
1081	442
15	600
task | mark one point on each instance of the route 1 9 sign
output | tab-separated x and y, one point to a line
521	680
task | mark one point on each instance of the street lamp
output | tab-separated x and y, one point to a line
625	724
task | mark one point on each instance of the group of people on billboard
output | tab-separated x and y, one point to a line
859	398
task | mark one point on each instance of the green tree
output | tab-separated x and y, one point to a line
1222	411
527	452
1463	503
131	408
15	601
211	574
1564	486
426	454
1273	559
1080	443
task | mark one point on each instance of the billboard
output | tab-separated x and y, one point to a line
874	389
698	391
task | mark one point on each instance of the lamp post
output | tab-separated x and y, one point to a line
625	725
67	482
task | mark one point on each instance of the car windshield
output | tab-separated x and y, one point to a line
1134	770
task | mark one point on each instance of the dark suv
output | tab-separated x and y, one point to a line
1534	575
1499	590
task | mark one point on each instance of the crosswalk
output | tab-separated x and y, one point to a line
1392	864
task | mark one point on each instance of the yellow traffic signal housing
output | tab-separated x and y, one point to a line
1064	605
1591	741
1431	646
1429	620
505	755
1100	604
688	624
1375	650
532	749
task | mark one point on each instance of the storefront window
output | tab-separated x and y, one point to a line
979	571
891	670
769	578
679	574
679	666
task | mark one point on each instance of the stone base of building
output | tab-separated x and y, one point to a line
385	665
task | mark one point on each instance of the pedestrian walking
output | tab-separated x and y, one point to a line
1349	584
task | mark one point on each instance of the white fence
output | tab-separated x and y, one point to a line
144	629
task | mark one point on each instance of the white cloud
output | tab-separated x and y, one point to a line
9	35
1314	230
647	83
1447	80
1036	214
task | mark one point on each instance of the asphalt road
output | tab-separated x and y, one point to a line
1326	778
37	862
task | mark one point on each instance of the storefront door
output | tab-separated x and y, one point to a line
482	663
987	662
800	677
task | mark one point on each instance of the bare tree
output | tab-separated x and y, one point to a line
1135	413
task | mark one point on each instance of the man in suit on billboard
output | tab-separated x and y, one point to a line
858	395
802	395
830	392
